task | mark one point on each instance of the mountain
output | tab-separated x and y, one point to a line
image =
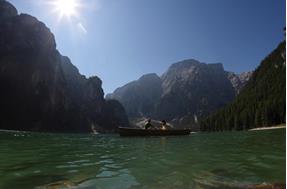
261	102
139	97
187	91
41	90
193	88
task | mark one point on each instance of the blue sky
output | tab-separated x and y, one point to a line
120	40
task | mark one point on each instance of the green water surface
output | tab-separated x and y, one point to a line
201	160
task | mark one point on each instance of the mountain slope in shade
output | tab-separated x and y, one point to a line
41	90
139	97
262	101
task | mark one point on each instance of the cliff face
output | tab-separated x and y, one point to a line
41	90
187	91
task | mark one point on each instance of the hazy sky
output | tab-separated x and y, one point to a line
120	40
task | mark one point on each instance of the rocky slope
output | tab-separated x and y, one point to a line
238	81
41	90
186	91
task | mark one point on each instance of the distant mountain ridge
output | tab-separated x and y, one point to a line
41	90
188	90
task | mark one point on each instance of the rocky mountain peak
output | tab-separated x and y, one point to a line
191	63
149	77
184	64
184	72
189	68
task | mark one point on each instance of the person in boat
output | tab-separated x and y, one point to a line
148	124
163	125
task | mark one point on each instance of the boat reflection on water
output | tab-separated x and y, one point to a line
124	131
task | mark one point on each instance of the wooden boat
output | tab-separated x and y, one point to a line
125	131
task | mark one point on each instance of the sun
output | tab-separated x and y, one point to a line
67	8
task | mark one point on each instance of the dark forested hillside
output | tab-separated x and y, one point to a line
261	102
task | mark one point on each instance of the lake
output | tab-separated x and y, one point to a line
201	160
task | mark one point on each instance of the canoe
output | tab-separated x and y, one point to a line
125	131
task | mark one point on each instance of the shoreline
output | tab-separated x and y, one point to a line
268	128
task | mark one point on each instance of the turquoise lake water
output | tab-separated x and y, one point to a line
201	160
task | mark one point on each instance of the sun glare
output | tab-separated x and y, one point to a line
66	8
69	9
